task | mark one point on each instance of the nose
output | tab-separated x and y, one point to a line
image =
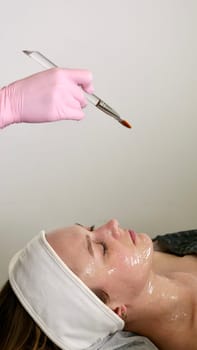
113	226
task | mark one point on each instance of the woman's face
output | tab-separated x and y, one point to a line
106	258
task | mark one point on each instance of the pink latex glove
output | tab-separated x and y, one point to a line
51	95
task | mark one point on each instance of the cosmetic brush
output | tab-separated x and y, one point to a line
95	100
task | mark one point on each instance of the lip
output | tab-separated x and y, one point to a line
133	235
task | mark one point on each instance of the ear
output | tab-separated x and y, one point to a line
121	311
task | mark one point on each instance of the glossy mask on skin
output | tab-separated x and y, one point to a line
89	270
150	288
177	316
141	258
126	266
121	268
137	257
124	271
128	261
109	272
167	292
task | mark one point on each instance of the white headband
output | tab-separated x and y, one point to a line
67	311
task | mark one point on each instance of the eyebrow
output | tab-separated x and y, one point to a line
89	246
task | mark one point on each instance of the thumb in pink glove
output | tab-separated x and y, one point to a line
51	95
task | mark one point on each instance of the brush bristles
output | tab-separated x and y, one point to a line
126	123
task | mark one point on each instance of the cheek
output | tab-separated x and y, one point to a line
88	272
129	270
141	258
130	260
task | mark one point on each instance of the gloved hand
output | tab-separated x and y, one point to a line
51	95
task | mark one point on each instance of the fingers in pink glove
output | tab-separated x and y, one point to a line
83	78
78	94
54	94
79	79
72	107
75	114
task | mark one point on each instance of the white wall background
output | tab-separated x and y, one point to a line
143	56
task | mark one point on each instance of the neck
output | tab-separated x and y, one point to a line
164	309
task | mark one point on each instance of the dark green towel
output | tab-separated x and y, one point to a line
179	243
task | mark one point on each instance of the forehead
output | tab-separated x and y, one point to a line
70	245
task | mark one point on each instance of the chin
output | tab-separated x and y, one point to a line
145	241
145	237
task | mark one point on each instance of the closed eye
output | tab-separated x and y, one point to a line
103	244
91	228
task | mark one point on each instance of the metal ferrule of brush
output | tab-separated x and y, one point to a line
107	109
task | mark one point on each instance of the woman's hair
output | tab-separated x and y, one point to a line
18	330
